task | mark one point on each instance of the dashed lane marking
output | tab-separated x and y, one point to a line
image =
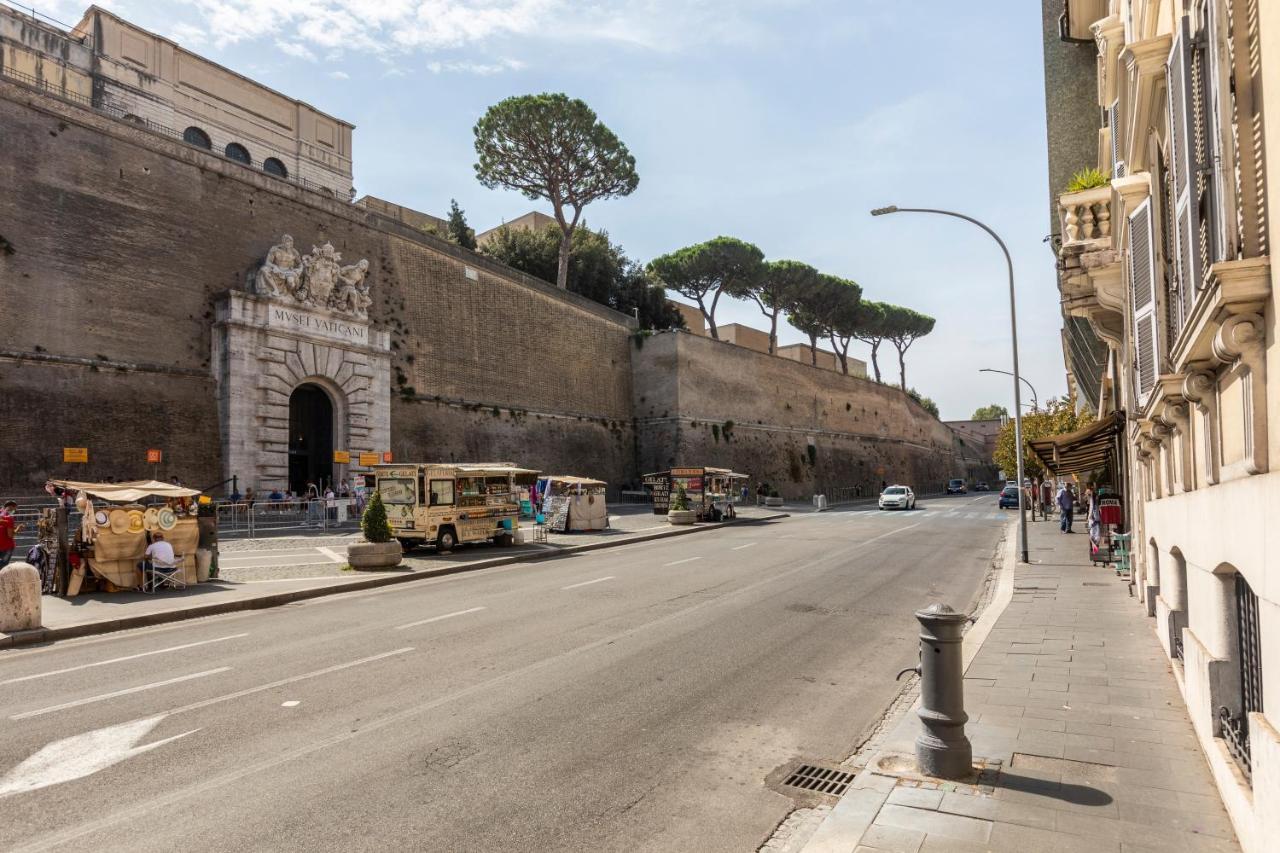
439	618
680	562
588	583
121	659
113	694
734	548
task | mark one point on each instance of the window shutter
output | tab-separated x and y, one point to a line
1142	291
1181	165
1118	168
1205	145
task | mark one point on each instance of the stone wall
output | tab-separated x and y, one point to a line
120	244
801	429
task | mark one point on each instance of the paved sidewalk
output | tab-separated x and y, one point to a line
104	612
1080	737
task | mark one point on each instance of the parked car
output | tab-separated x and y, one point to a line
981	487
956	487
1009	497
898	497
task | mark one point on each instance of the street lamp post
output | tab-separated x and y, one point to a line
1017	376
1035	401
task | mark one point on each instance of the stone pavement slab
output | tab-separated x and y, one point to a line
1080	737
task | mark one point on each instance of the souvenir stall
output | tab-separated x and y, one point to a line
712	492
117	522
572	503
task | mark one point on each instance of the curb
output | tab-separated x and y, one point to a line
146	620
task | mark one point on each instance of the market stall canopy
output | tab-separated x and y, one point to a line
130	492
1083	450
492	469
725	472
570	480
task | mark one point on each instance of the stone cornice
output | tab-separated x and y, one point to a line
1109	36
1236	288
1145	61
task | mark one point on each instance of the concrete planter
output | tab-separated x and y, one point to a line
773	501
374	555
681	516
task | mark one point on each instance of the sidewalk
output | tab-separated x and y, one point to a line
101	613
1080	737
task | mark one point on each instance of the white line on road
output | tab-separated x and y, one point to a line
588	583
740	547
282	682
78	702
438	618
332	555
679	562
118	660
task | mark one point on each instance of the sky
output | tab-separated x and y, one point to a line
780	122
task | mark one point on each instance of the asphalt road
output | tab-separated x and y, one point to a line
623	700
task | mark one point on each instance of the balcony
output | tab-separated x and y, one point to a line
1086	218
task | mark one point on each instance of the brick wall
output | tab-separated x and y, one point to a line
699	402
121	242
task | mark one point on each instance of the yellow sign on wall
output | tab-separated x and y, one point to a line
75	454
342	457
368	459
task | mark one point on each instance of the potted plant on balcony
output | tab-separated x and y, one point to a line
679	513
774	498
1088	179
379	550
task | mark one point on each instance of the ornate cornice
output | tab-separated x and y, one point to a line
1145	61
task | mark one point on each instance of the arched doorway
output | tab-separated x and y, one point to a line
310	438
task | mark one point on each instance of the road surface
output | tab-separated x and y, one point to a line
630	699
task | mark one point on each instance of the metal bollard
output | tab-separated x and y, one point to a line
942	750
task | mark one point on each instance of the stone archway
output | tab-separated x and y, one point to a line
263	353
311	438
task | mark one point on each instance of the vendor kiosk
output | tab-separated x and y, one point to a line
572	503
713	493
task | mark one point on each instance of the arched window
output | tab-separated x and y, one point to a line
236	151
272	166
197	137
133	119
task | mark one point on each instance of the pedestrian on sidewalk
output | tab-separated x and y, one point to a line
1046	498
1066	505
8	530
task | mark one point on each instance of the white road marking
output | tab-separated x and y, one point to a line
82	755
438	618
332	555
290	680
734	548
588	583
112	695
679	562
118	660
292	703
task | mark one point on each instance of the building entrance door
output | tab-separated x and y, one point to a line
310	438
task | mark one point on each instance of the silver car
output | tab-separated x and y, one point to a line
898	497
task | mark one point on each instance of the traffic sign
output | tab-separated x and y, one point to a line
368	459
342	457
154	456
75	454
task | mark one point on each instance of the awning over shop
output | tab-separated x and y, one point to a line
1083	450
135	490
570	480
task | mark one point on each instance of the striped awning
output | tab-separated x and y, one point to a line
1083	450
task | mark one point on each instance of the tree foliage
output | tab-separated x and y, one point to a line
840	314
871	327
374	522
704	272
995	411
775	289
552	147
1057	417
926	402
459	231
598	269
903	328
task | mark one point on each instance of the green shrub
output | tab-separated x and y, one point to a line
681	500
374	522
1088	179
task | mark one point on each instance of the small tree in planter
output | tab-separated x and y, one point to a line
379	550
679	513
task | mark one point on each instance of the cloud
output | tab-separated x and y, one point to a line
296	50
481	68
339	75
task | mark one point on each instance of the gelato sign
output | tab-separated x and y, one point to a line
316	325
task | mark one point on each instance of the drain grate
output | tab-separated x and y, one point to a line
822	780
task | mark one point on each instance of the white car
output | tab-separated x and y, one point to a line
898	497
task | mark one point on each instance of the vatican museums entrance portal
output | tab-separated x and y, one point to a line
310	438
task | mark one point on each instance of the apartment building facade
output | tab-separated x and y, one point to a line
1169	310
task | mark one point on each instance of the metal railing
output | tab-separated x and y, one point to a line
278	518
1235	733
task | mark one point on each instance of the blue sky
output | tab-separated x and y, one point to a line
781	122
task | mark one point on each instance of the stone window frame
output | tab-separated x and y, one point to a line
197	136
233	152
275	166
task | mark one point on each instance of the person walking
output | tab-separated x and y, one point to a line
1066	506
8	530
1046	498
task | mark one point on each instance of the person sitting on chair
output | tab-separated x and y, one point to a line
159	553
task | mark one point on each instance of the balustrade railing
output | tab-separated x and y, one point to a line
1086	217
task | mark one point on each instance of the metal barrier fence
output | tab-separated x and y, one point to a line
278	518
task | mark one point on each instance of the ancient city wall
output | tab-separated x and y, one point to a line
115	245
799	428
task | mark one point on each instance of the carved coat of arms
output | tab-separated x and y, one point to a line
318	279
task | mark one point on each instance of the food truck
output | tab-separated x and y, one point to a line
712	492
443	504
117	520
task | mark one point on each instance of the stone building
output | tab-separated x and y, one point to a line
145	79
1167	262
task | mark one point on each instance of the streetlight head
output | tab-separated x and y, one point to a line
881	211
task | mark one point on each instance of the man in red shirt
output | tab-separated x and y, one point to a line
7	531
